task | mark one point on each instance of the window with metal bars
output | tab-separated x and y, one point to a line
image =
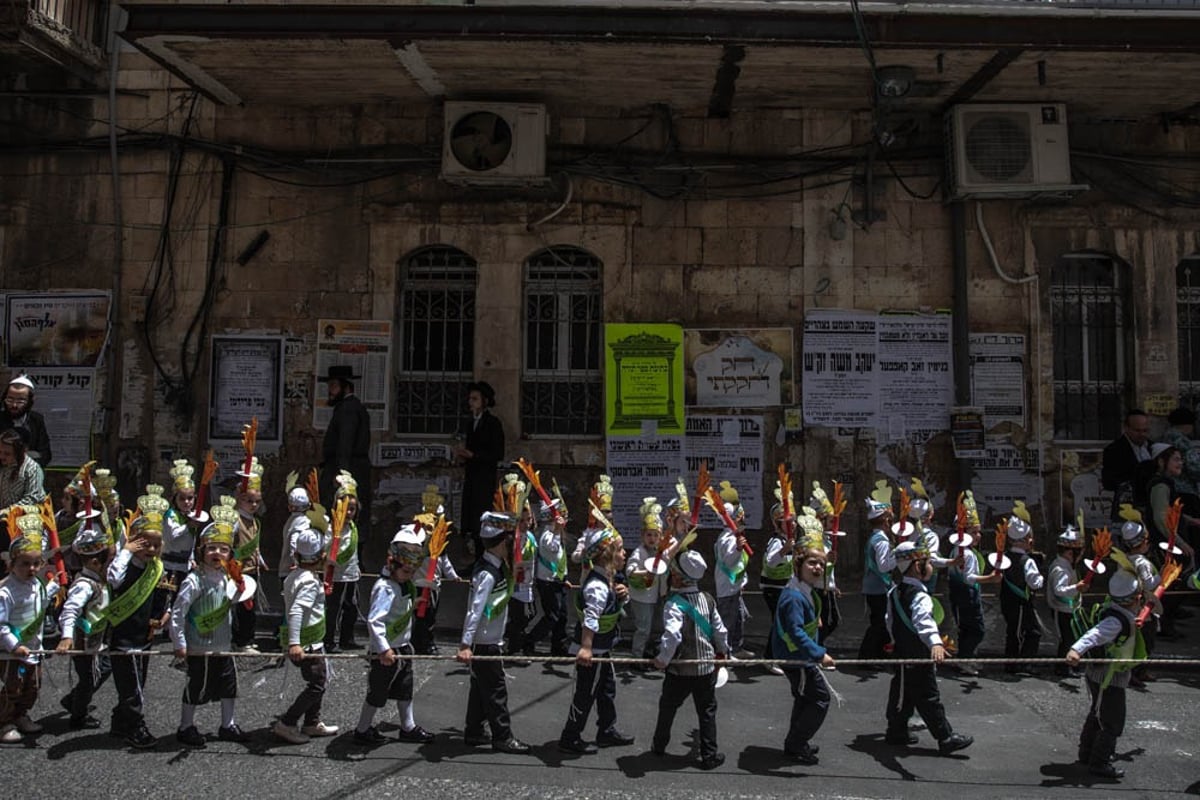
1187	311
1089	301
562	390
437	339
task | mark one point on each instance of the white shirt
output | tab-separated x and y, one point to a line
595	598
1033	578
921	614
78	596
21	603
206	588
729	554
550	549
1061	589
637	563
389	603
303	604
477	628
296	522
970	572
673	618
444	571
179	542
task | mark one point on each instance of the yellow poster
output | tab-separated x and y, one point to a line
643	379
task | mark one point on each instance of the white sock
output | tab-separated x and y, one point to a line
187	716
366	717
227	720
406	714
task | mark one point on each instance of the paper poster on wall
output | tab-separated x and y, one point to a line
641	467
998	377
967	431
246	382
1005	474
364	345
643	378
55	329
838	377
1079	481
748	368
732	448
916	379
66	398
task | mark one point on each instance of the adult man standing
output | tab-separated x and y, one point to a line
480	452
18	413
1119	472
347	443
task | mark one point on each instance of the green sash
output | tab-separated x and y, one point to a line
122	608
209	621
810	628
640	580
1130	649
246	550
605	622
702	624
398	625
779	572
66	537
346	553
735	573
35	627
559	568
309	634
498	599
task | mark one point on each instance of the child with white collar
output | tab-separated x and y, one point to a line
24	600
1064	587
730	566
1022	581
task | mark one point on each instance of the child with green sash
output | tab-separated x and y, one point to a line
202	625
390	625
24	600
132	578
730	565
1117	631
692	632
84	621
303	637
645	587
342	602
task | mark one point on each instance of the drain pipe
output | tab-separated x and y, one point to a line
961	329
116	22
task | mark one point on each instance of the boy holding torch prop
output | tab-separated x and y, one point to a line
1063	588
1135	542
966	576
877	577
830	515
1022	581
732	554
342	572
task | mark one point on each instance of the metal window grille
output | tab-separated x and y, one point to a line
1187	308
437	339
561	387
1088	301
85	19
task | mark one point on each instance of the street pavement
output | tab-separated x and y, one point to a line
1025	737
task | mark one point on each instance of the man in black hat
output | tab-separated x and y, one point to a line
17	412
481	450
347	443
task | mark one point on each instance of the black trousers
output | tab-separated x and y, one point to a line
244	620
831	614
596	685
1022	633
91	672
488	700
770	595
553	597
966	603
703	691
308	704
209	679
129	676
876	638
390	683
810	704
1062	621
916	687
1104	724
519	614
341	612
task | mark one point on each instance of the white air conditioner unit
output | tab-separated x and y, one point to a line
497	144
1008	150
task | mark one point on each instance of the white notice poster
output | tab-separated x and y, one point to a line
916	379
998	377
838	374
641	467
364	345
732	447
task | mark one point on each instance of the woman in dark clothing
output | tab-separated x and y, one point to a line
481	451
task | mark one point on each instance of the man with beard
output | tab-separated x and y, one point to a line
347	443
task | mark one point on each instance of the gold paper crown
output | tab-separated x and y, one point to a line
254	482
682	503
75	487
1130	514
25	531
347	486
729	494
651	513
819	500
151	507
1021	512
918	489
104	481
602	493
968	501
810	524
511	494
432	499
224	523
181	475
882	493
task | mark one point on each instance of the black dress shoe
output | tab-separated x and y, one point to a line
476	739
900	739
513	746
1107	770
712	763
805	755
417	735
232	733
141	738
87	722
190	736
576	745
954	743
613	738
370	736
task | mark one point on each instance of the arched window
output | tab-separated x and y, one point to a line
1089	303
1187	309
437	339
561	385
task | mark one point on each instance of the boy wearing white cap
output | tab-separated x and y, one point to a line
1063	588
303	637
483	634
1022	581
1117	629
877	577
692	631
83	622
1131	556
298	504
915	633
794	637
390	625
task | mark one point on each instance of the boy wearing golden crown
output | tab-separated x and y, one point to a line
646	588
179	530
441	568
84	622
828	592
730	563
389	625
247	538
601	497
24	601
342	603
202	624
520	605
132	578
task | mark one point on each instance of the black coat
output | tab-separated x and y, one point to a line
1120	473
347	445
37	440
486	442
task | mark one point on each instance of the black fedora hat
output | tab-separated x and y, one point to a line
340	372
485	390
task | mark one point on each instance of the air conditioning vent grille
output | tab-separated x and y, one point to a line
998	148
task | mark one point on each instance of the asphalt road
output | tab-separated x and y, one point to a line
1025	732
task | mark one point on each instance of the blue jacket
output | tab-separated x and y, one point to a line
795	617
